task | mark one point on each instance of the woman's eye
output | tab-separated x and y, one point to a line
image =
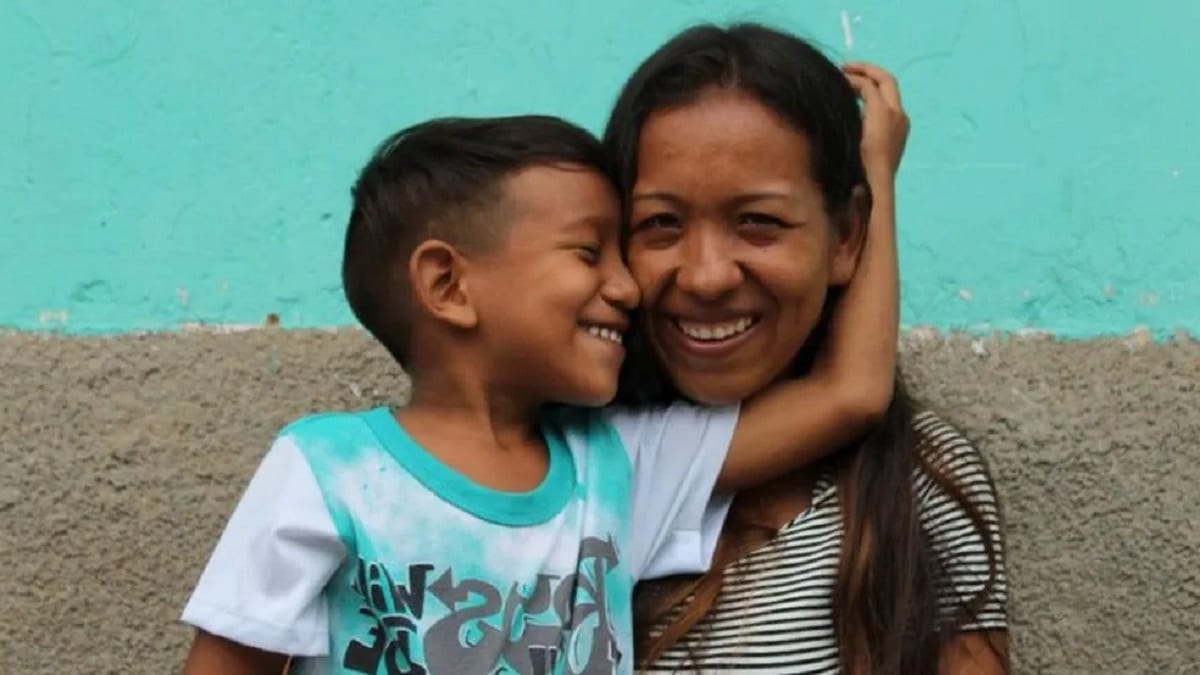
657	221
760	220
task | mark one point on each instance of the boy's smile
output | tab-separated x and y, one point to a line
613	335
613	338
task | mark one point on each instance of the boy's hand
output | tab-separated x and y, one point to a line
885	125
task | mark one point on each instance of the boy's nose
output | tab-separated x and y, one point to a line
621	290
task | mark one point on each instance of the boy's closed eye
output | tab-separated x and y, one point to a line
589	253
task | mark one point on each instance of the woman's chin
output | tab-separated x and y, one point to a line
713	383
718	388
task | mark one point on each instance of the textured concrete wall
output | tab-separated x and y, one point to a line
123	456
171	162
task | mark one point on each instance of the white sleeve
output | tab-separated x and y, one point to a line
677	453
263	585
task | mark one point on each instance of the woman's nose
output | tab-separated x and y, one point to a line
708	270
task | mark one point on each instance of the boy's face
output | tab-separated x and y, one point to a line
553	300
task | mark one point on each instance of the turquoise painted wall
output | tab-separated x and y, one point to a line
171	163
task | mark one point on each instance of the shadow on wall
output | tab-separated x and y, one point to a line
125	455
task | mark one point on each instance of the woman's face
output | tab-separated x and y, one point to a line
731	244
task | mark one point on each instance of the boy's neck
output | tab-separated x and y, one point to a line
490	438
456	401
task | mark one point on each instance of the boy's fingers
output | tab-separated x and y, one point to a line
866	89
888	87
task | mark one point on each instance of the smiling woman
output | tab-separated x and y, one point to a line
731	295
742	160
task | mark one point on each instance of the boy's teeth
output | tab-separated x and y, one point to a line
715	331
609	334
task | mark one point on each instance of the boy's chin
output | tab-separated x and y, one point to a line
593	395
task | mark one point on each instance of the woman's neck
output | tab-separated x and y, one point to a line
777	502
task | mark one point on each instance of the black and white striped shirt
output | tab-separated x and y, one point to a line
774	614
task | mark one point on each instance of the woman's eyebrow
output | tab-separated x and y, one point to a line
736	199
655	196
748	197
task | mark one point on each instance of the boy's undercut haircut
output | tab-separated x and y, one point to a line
441	179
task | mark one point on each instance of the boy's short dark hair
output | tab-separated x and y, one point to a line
441	179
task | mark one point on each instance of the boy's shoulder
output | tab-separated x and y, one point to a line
636	428
327	428
330	419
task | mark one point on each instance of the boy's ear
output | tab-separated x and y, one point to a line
436	271
849	236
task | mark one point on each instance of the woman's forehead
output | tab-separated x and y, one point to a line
718	139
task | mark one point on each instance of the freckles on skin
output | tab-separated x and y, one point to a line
725	142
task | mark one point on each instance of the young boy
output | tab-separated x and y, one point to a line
476	530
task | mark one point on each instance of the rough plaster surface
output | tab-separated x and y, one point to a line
220	140
123	456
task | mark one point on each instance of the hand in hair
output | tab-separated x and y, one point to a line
885	125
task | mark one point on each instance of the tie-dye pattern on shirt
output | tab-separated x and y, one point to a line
431	587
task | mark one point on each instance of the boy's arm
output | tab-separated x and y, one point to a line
214	655
260	596
850	387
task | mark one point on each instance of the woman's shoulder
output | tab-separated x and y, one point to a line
960	514
950	461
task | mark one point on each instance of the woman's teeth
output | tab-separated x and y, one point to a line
715	331
610	334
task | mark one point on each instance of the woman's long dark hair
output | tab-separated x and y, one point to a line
885	599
